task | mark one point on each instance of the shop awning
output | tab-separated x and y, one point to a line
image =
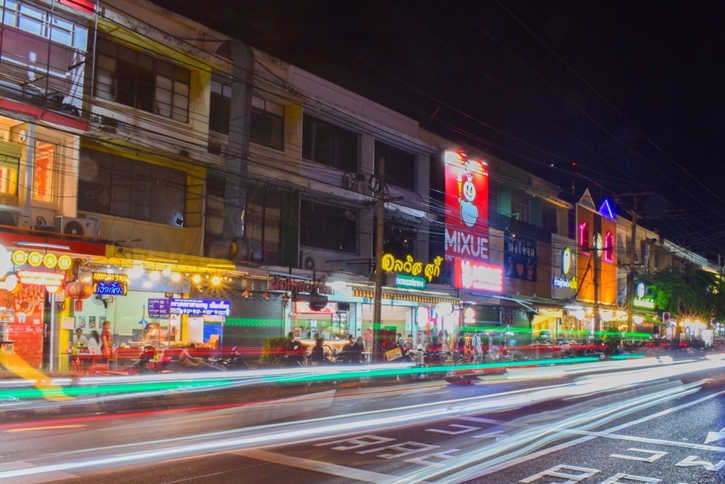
396	295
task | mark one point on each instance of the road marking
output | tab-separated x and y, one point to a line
715	436
466	429
52	427
37	479
203	418
316	466
654	455
582	440
615	479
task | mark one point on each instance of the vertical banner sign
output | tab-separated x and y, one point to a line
466	208
520	258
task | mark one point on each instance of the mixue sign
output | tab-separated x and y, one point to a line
466	202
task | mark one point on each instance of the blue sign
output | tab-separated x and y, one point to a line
158	308
110	288
199	307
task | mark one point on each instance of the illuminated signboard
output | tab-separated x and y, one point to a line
158	308
466	200
520	257
52	281
410	266
36	259
468	274
564	283
641	299
565	260
303	307
110	284
199	307
410	282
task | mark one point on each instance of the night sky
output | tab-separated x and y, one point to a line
632	92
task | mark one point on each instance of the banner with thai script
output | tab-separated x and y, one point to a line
520	258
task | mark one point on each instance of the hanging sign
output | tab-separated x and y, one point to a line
52	281
110	284
199	307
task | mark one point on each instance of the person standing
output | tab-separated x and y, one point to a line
106	345
476	346
368	339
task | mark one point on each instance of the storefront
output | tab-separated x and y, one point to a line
32	301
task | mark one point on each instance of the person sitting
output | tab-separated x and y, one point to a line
186	359
434	345
318	356
417	355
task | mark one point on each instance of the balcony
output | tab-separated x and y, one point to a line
512	224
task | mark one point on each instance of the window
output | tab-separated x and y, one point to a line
399	165
122	187
141	81
267	123
43	53
548	219
492	199
520	206
263	220
9	174
220	106
330	145
215	195
328	227
44	170
36	21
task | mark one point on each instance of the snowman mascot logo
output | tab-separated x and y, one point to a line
466	197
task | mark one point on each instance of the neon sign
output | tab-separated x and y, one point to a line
466	200
608	247
468	274
410	282
607	210
199	307
564	283
410	266
110	284
52	281
584	237
641	300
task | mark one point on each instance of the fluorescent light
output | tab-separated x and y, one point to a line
42	245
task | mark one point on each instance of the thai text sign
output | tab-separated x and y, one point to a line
287	283
410	266
410	282
520	258
466	200
199	307
468	274
110	284
158	308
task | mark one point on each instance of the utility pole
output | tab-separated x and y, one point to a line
630	256
596	253
379	238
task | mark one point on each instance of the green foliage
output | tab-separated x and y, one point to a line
273	350
690	292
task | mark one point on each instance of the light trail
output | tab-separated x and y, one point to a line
388	419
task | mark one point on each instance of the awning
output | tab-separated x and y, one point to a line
396	295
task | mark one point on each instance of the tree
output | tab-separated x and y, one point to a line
688	293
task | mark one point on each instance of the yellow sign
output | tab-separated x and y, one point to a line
35	259
102	276
410	266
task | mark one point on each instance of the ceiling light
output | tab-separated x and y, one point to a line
135	272
176	277
216	280
155	275
166	272
196	279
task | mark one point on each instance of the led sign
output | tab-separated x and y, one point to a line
52	281
641	300
303	307
110	284
643	303
466	200
564	283
410	266
565	260
199	307
468	274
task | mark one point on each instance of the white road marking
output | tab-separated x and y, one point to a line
715	436
404	449
466	429
427	460
615	479
316	466
582	440
37	479
357	442
581	474
654	455
694	461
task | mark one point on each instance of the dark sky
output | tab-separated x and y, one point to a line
630	91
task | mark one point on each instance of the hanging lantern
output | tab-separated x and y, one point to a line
78	290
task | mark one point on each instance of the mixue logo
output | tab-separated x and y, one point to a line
465	244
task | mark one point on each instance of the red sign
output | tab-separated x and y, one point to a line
478	276
466	207
303	307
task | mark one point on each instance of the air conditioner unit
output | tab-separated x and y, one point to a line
88	227
12	218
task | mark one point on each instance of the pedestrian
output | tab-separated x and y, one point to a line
368	339
476	346
106	342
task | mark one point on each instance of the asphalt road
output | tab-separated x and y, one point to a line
498	431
